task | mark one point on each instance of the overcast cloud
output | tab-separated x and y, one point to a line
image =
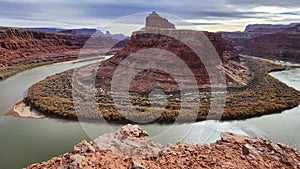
235	14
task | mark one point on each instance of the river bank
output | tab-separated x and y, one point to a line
21	110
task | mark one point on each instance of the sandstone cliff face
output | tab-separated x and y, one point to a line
282	45
239	39
281	42
130	147
22	46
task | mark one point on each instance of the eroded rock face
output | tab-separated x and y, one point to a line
155	21
282	45
281	42
232	151
21	46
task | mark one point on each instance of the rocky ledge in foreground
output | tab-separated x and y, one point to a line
130	147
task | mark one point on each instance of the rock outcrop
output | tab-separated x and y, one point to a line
129	147
155	21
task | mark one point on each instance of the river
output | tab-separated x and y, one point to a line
25	141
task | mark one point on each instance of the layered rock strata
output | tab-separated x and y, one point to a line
280	42
22	48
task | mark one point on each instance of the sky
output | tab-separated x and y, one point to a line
211	15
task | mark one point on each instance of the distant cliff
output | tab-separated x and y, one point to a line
20	48
82	31
252	27
283	45
275	41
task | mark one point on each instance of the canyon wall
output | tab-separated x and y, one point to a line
284	45
22	47
280	42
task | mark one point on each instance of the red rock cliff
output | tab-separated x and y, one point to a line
281	45
277	41
21	46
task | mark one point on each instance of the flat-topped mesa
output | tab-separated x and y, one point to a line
156	21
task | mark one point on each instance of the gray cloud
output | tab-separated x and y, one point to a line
255	3
226	14
289	13
18	10
113	9
67	11
194	23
